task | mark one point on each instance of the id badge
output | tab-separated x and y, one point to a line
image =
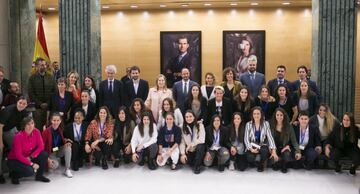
301	147
55	149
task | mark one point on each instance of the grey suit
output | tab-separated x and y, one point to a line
255	84
179	95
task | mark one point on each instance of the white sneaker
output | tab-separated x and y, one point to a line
231	165
68	173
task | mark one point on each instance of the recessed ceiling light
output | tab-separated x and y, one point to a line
162	5
51	8
184	5
134	6
207	4
233	4
105	7
286	3
254	3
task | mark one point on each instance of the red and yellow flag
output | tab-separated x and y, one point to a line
40	44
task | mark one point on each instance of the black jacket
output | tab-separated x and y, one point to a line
142	92
69	132
314	136
91	112
224	140
226	111
334	138
203	107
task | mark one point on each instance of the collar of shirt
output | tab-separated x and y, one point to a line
183	82
218	103
136	81
182	55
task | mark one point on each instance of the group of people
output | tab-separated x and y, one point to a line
239	123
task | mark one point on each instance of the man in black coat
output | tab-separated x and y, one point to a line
111	91
280	79
136	87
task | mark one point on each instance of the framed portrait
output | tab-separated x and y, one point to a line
238	46
178	50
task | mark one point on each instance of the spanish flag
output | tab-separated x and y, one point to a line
40	44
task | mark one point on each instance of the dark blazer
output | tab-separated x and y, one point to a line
203	107
296	84
314	136
54	105
272	84
142	92
69	132
174	66
224	137
178	94
91	112
226	111
113	100
334	138
254	86
313	103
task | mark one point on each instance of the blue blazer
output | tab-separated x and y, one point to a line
255	85
179	95
272	84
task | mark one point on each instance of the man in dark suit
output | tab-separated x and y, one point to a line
183	60
181	89
111	91
280	79
126	77
56	70
302	72
136	87
221	106
252	79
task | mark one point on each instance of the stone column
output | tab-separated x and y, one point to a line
334	52
80	43
22	39
4	36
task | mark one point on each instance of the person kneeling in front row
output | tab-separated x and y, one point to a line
27	156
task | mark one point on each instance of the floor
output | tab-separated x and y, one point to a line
139	180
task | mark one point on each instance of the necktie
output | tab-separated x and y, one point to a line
110	86
179	58
185	88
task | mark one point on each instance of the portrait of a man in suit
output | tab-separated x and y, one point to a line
180	50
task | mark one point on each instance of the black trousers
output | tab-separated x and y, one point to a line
116	147
149	152
196	158
240	161
19	169
352	153
264	155
103	153
78	153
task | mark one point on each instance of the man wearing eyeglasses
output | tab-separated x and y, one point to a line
280	79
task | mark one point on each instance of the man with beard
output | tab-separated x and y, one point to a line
41	86
253	80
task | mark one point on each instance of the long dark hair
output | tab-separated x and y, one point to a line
191	97
127	121
93	85
285	130
353	128
240	103
171	103
276	95
193	124
262	119
141	124
213	119
132	110
309	93
240	130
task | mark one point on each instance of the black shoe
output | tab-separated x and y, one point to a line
275	167
142	162
97	162
221	168
151	164
75	166
104	164
117	163
15	181
42	179
197	170
308	166
2	179
352	171
337	168
284	170
260	168
81	164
